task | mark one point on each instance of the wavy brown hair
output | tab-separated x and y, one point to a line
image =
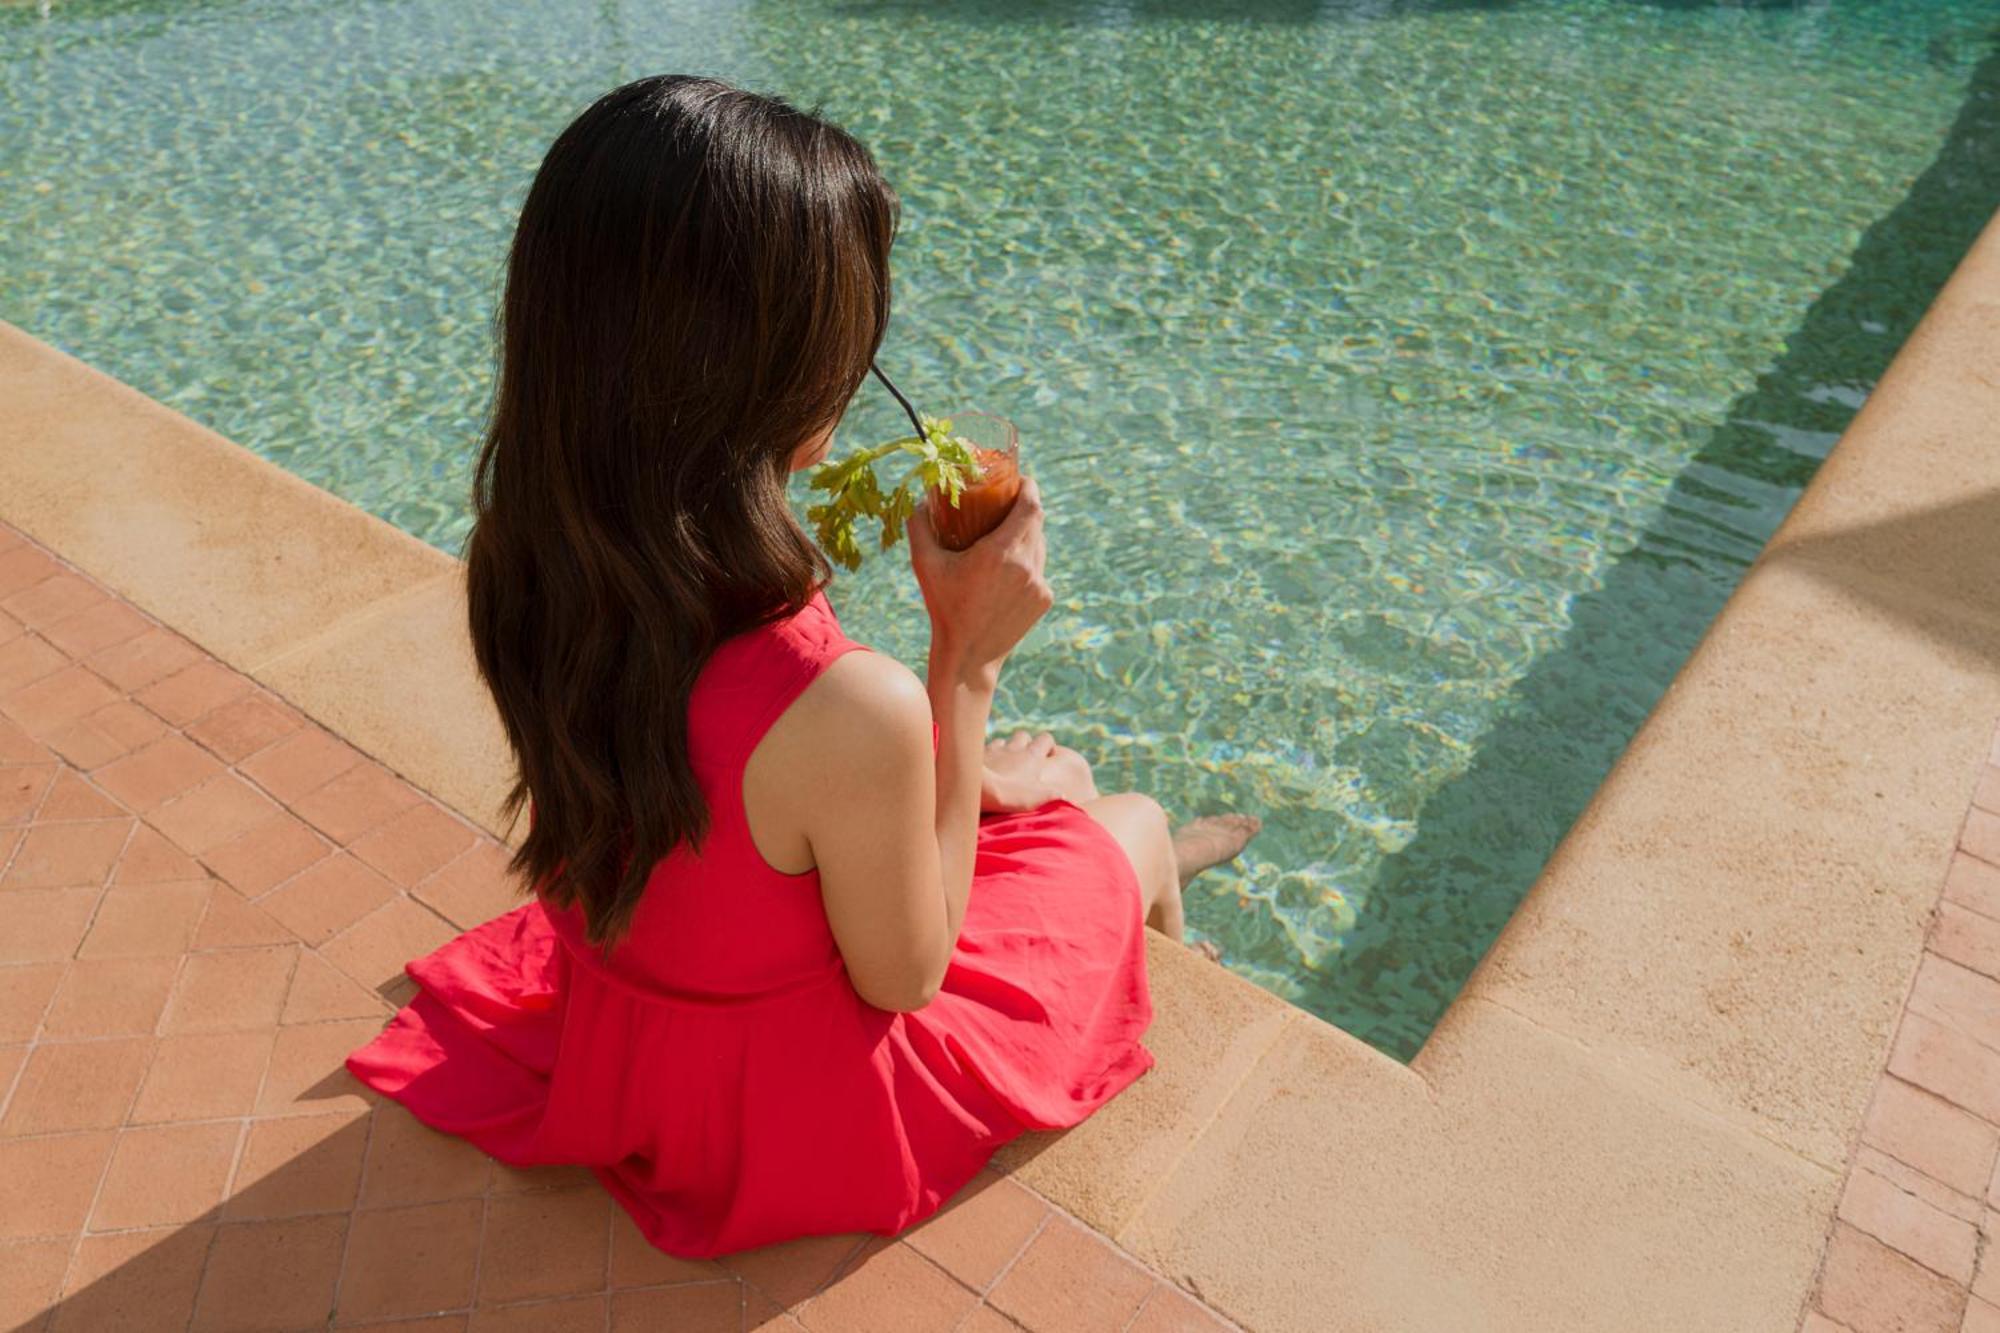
698	283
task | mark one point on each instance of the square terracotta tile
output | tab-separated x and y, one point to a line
163	1175
637	1262
24	566
356	802
409	1163
374	949
31	1274
222	808
18	747
1909	1225
1941	1060
69	1086
327	898
404	1261
320	991
1981	835
139	661
151	776
1912	1181
54	599
541	1245
474	888
298	1165
111	997
26	659
981	1230
702	1307
231	989
203	1075
22	787
135	1282
109	622
1967	938
57	699
50	1182
73	798
1071	1277
1974	884
150	859
308	1073
1867	1285
411	845
194	691
113	731
300	763
244	726
792	1270
60	856
574	1314
1957	995
271	1275
145	920
233	922
267	855
891	1289
25	992
45	924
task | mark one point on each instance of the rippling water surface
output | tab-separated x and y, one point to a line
1409	382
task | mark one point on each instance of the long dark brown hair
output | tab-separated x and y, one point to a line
698	283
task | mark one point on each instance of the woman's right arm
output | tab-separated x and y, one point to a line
894	829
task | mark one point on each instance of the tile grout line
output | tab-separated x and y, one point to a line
347	1232
125	1118
1049	1214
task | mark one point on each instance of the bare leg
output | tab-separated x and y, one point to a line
1140	826
1211	840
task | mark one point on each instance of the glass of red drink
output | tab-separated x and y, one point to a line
984	500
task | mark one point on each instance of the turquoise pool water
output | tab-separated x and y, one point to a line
1410	382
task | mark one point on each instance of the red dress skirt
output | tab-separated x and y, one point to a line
719	1073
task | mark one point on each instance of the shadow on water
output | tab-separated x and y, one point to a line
1478	840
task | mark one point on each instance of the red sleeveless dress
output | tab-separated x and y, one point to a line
720	1074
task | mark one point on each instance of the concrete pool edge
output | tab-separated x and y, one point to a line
1645	1097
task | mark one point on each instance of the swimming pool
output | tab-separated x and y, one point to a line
1409	382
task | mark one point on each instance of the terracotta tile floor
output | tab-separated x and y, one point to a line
208	901
1915	1246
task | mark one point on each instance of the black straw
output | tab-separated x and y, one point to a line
915	420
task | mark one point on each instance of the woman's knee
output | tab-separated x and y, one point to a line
1140	824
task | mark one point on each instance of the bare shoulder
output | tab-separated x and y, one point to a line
864	699
863	717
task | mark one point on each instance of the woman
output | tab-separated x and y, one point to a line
803	952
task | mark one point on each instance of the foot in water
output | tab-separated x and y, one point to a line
1211	840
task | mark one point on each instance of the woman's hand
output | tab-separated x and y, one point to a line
984	599
1024	771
